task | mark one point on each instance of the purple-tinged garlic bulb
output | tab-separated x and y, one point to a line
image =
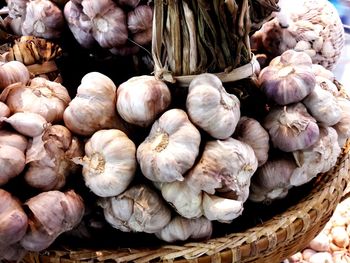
140	24
211	108
138	209
170	149
291	127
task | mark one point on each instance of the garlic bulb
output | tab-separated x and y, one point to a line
51	214
291	127
181	229
12	157
318	158
140	24
12	253
46	98
128	3
211	108
79	24
49	158
27	123
327	85
343	126
251	132
141	99
226	166
288	78
223	210
138	209
272	180
12	72
13	220
109	163
43	19
17	8
185	199
323	106
170	149
321	71
109	22
93	108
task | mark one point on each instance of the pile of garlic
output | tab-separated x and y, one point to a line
331	245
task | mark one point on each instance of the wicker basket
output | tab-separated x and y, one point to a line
270	241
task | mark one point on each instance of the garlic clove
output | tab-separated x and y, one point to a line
27	123
170	149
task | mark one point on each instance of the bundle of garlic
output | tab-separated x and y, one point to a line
120	26
51	214
49	158
312	26
40	18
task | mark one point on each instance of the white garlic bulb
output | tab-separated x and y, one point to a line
272	180
321	71
12	72
251	132
170	149
323	106
42	19
49	158
181	229
291	127
140	24
109	163
93	107
46	98
141	99
138	209
318	158
211	108
327	85
343	126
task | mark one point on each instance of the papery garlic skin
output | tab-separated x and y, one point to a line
109	163
226	166
109	22
211	108
43	19
12	72
140	24
53	213
17	8
170	149
46	98
4	110
327	85
141	99
343	126
49	158
138	209
13	139
93	107
272	180
291	127
27	123
318	158
323	106
288	78
13	220
251	132
181	229
321	71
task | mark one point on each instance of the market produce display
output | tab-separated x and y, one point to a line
144	155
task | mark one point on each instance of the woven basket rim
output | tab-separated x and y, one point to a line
264	240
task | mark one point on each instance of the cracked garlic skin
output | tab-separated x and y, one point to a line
181	229
318	158
46	98
93	107
288	78
272	180
226	166
251	132
51	214
48	158
170	149
12	155
12	72
291	127
109	164
43	19
138	209
211	108
13	220
141	99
